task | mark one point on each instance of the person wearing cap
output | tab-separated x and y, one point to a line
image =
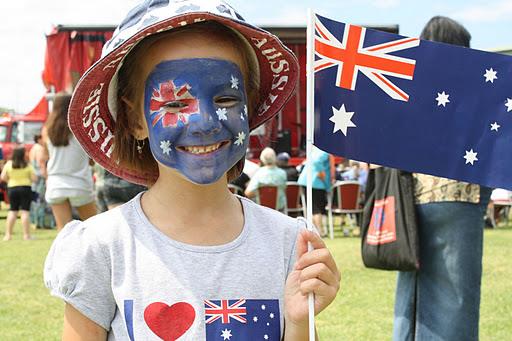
170	104
282	162
268	175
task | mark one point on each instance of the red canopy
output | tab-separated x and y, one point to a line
40	112
69	53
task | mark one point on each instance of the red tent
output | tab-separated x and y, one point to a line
70	51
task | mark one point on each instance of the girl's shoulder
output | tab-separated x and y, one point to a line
100	231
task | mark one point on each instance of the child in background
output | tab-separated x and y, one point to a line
69	183
19	176
170	105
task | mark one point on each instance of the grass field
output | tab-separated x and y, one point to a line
363	309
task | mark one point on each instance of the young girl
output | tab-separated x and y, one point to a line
171	104
19	176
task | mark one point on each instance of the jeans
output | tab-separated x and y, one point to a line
441	301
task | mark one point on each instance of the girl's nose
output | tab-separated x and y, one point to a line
206	124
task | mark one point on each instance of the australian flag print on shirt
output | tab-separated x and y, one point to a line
242	319
416	105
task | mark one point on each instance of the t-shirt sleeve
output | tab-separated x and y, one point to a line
77	270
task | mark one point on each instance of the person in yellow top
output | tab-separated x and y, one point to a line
19	176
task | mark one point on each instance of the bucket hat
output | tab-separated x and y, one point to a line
93	108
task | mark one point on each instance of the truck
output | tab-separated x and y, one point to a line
16	129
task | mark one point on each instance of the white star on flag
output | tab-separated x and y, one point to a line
470	157
166	146
442	99
234	82
221	114
226	334
490	75
240	138
265	337
255	318
341	119
495	126
271	315
263	307
509	104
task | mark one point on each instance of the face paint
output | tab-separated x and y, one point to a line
196	112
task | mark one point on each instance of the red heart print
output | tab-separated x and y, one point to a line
169	322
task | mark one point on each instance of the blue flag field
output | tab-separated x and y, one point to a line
411	104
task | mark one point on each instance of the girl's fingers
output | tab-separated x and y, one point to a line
321	272
306	236
302	244
318	256
318	287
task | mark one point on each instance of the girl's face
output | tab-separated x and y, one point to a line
195	105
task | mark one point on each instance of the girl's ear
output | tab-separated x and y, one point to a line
140	128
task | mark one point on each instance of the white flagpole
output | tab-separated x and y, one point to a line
310	107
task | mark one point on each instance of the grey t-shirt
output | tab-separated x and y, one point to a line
124	274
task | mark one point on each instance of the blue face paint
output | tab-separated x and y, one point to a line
196	112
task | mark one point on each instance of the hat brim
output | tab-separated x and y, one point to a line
93	124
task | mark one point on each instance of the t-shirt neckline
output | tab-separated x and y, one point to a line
155	231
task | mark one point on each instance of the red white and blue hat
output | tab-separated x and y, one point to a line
92	112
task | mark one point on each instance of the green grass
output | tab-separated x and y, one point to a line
363	309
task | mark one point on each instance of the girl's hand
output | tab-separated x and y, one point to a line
315	272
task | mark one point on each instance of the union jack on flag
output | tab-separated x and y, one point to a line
374	61
223	310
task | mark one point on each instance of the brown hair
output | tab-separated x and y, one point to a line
130	89
446	30
18	158
57	123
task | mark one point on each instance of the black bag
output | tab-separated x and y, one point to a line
389	230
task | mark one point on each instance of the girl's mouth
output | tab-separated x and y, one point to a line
202	150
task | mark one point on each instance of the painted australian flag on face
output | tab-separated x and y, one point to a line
241	319
415	105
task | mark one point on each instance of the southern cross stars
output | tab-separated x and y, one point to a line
341	119
221	114
490	75
240	138
442	99
509	104
166	146
495	126
470	157
234	82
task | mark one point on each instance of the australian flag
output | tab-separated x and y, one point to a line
415	105
242	319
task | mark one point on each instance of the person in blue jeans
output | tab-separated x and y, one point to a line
441	301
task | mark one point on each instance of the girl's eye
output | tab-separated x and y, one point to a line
226	101
174	105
